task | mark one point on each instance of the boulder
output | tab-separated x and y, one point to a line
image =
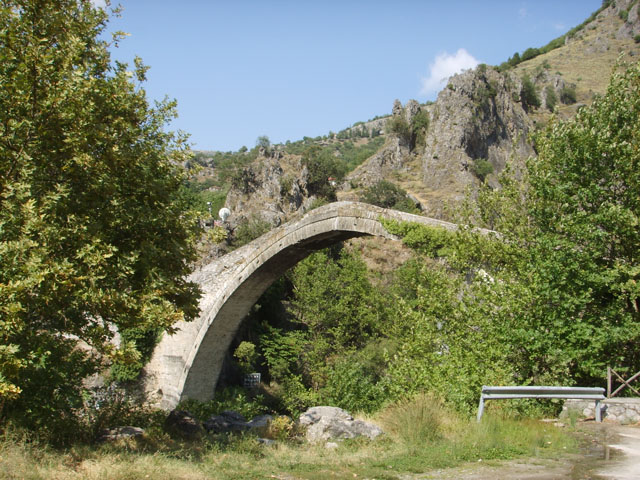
332	423
182	423
118	433
227	421
230	421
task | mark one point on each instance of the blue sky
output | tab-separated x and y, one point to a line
240	69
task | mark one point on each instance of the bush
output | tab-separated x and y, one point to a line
528	95
419	127
388	195
248	230
481	167
321	165
398	125
231	398
416	421
568	95
550	97
530	53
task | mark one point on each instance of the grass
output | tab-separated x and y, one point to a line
421	435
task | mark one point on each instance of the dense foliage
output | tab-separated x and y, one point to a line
389	195
93	230
553	299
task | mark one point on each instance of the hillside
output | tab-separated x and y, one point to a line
479	122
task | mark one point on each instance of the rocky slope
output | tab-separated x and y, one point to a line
478	123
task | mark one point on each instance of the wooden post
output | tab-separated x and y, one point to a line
608	382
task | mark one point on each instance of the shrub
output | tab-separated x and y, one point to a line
231	398
245	180
419	420
399	126
246	356
419	127
249	230
550	97
321	165
481	167
388	195
528	95
145	340
530	53
568	95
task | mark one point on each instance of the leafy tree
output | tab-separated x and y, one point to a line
586	205
399	126
263	142
571	234
419	127
528	94
515	60
93	232
249	229
321	165
530	53
481	167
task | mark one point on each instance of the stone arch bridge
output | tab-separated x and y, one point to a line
187	364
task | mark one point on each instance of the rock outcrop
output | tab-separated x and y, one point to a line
476	118
274	188
230	421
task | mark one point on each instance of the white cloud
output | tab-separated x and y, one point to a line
99	3
443	67
522	13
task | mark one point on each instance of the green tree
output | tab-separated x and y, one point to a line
570	255
586	204
263	142
321	165
568	95
94	235
528	94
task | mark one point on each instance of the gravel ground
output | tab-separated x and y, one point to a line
611	452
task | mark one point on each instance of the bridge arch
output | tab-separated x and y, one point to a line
187	364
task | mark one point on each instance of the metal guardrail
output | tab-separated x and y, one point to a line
585	393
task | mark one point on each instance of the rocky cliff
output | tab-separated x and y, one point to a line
478	123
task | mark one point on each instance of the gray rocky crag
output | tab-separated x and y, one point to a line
478	116
276	188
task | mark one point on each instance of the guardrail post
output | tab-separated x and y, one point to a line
481	407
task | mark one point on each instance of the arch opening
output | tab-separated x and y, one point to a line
188	363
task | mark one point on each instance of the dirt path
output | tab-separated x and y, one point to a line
612	453
627	465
